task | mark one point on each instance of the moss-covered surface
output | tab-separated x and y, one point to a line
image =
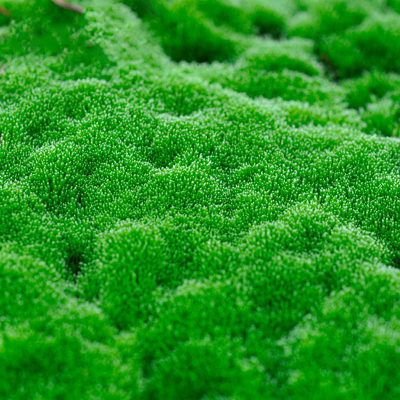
200	199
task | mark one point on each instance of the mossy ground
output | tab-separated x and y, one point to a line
200	200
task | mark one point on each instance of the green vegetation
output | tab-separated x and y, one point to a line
200	200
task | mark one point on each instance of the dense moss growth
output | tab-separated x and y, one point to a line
200	200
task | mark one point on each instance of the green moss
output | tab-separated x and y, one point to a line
199	200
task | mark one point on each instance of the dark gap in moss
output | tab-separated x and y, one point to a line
330	68
74	261
396	260
269	23
184	32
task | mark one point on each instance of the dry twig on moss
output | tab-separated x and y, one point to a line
61	3
68	6
4	11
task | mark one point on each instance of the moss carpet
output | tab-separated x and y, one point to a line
200	199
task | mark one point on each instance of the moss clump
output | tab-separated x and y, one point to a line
200	200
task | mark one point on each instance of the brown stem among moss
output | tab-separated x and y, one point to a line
61	3
68	6
4	11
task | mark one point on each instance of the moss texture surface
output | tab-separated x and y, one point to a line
200	199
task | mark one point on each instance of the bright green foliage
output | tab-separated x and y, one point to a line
200	200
